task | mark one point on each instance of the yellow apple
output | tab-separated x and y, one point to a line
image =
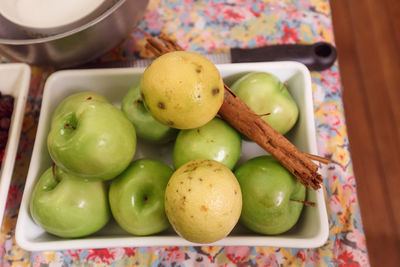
183	90
203	201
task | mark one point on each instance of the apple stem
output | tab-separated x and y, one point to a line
284	85
138	101
307	203
53	168
67	125
265	114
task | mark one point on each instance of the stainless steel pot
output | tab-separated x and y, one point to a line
76	46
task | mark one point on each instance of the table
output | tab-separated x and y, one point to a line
213	27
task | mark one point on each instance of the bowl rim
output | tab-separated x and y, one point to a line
19	91
89	24
317	238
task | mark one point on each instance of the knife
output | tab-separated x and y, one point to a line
317	56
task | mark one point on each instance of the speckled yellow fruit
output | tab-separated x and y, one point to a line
183	90
203	201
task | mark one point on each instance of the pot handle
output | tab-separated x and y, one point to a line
317	56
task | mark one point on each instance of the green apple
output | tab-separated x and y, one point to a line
137	197
146	126
264	93
268	191
216	140
69	206
90	137
182	89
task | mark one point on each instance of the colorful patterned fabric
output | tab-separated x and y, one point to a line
212	27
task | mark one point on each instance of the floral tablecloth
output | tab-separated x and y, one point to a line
212	26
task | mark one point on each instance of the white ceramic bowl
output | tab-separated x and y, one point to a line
310	231
40	18
15	78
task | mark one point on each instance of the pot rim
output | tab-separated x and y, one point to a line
59	36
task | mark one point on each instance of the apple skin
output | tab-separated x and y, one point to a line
73	207
137	197
146	126
203	201
216	140
91	138
267	188
182	89
265	93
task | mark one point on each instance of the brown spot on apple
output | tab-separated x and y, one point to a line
161	105
203	208
215	91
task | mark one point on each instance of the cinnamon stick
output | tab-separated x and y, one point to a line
240	116
318	158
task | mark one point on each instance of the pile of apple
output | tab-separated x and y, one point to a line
92	144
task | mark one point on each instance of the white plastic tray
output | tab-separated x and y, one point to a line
14	79
310	231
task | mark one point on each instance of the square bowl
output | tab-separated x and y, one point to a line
15	79
310	231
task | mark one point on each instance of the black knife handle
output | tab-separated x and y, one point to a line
316	56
